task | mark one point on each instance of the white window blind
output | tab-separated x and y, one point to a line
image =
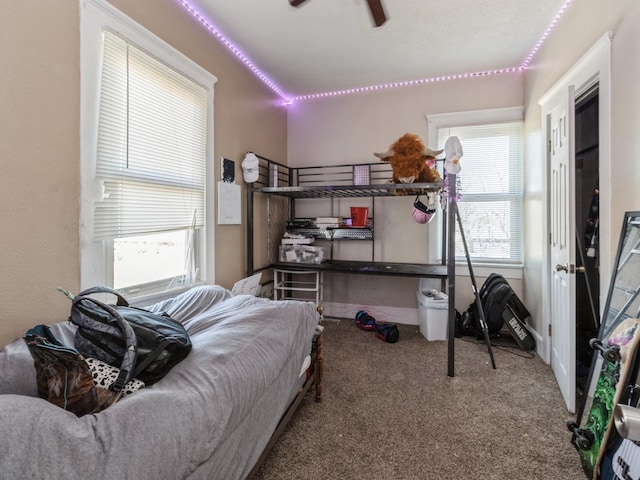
151	149
491	205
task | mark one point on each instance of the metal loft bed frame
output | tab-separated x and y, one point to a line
352	181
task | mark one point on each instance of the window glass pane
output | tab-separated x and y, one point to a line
488	230
149	258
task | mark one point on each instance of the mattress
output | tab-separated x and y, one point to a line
209	418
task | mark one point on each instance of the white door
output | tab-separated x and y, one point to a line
562	245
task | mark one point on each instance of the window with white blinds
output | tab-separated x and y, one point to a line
146	145
151	145
491	187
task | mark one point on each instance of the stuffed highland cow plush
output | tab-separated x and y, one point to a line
411	161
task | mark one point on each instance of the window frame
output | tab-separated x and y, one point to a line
470	118
96	256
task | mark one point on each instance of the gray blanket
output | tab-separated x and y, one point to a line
209	418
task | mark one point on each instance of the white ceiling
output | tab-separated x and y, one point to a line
329	45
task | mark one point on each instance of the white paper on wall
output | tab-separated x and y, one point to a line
229	204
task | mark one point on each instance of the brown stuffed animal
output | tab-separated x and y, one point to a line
411	161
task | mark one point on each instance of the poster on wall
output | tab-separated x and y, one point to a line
228	168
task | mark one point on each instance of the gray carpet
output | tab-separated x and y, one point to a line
390	411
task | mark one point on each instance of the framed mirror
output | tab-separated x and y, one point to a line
623	298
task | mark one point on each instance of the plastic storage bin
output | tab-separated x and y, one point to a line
433	314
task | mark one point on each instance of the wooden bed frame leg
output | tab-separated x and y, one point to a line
318	368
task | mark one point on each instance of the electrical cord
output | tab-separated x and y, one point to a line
512	349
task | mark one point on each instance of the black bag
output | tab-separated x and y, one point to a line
504	295
493	303
498	301
143	344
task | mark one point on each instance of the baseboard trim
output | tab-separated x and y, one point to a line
540	344
402	315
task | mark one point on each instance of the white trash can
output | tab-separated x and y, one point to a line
433	314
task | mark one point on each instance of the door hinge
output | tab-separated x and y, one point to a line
549	238
549	329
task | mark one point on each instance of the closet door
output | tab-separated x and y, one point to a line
560	127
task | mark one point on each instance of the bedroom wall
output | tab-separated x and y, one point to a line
39	146
348	129
583	24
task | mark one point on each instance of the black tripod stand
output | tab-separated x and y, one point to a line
481	320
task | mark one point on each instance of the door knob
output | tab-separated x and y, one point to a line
581	270
560	268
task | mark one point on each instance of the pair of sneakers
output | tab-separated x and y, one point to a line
387	332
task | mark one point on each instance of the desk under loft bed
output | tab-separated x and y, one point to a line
280	186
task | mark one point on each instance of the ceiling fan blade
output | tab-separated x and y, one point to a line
376	11
295	3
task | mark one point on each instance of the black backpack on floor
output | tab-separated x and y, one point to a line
500	306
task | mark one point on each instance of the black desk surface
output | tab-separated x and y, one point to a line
369	268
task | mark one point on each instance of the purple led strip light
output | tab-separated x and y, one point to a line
547	32
407	83
235	50
289	99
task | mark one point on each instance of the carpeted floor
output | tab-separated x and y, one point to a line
390	411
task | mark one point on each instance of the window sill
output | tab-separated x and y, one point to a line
510	272
146	299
